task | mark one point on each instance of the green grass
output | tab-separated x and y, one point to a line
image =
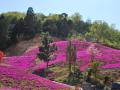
37	61
61	73
1	85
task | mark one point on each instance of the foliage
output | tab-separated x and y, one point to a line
22	80
17	33
21	65
103	33
29	23
80	26
71	60
74	72
26	27
95	68
94	65
21	26
46	50
4	33
11	15
78	36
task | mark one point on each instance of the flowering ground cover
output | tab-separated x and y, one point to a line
110	57
22	62
14	73
18	79
20	67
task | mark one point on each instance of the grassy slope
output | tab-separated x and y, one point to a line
22	46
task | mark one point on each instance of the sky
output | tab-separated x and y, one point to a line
106	10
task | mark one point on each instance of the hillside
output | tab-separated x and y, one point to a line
22	46
17	70
26	45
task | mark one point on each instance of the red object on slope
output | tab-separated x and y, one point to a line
1	55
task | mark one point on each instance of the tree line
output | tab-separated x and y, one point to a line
16	26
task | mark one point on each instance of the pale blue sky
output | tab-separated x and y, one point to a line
107	10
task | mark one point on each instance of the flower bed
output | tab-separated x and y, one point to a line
107	56
16	75
17	78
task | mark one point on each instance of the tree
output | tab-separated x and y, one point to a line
70	27
18	31
29	22
62	25
94	64
79	25
71	60
50	26
4	32
103	33
46	49
95	68
98	29
76	18
38	26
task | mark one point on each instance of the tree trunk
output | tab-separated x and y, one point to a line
47	64
69	78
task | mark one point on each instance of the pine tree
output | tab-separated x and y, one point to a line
29	22
46	50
